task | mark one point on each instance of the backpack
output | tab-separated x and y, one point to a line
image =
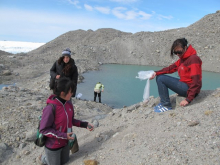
41	139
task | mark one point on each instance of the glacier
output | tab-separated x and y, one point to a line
19	46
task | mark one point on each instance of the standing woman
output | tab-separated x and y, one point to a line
189	67
57	127
64	67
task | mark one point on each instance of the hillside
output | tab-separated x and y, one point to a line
133	135
113	46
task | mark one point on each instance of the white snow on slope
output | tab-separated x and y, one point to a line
18	46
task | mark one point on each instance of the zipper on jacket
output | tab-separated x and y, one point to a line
66	115
65	112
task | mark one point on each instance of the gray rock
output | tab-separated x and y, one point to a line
6	72
31	135
95	123
22	145
178	100
3	146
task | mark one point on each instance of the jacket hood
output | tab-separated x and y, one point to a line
190	51
52	100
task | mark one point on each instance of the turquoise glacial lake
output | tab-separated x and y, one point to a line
123	89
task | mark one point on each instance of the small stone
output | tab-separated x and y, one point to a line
3	146
98	135
18	156
193	123
99	139
208	112
22	145
178	100
172	114
26	152
6	72
90	162
95	123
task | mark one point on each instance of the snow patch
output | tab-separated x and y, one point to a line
19	46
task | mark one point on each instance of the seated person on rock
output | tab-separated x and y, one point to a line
189	67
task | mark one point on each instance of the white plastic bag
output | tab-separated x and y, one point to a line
79	95
143	75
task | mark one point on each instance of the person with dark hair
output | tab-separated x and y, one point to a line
189	67
57	127
64	67
97	91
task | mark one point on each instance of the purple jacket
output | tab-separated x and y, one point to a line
55	127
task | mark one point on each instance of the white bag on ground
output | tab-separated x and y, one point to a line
143	75
79	95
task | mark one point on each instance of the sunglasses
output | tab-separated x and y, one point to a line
178	52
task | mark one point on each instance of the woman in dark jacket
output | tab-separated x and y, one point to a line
64	67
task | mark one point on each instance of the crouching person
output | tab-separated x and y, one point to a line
57	125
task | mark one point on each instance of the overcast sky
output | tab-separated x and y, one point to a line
44	20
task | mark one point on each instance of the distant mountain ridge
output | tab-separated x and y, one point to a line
107	45
142	48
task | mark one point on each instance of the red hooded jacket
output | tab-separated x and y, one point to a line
189	68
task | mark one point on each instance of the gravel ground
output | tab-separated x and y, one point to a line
133	135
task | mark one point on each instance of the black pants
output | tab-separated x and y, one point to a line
74	92
99	95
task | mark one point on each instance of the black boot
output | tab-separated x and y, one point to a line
100	99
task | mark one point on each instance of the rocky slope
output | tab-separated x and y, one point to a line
131	135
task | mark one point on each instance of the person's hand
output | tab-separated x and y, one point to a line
57	76
69	136
153	76
90	127
103	90
183	103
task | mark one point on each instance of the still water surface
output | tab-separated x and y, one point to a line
122	88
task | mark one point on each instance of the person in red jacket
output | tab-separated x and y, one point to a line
189	68
57	127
